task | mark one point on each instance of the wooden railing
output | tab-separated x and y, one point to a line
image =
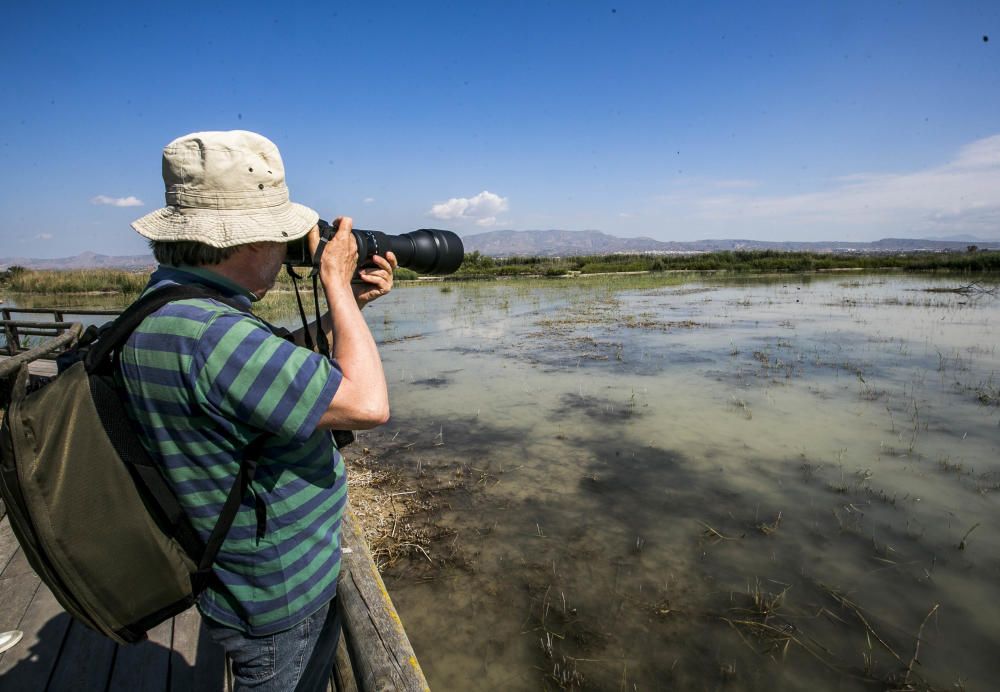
380	654
9	365
15	330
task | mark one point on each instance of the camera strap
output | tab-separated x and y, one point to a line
321	343
341	438
302	313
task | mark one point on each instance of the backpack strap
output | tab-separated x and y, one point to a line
99	361
118	332
248	468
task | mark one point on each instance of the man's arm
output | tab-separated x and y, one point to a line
362	399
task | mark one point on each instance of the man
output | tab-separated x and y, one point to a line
205	380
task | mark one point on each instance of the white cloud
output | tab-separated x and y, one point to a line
482	209
43	236
961	195
117	201
368	200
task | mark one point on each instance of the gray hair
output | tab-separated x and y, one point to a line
189	252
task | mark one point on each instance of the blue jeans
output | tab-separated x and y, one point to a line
299	659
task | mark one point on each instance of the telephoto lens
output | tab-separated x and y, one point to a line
425	251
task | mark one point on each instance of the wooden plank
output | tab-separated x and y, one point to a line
8	542
10	365
29	665
144	666
52	328
343	672
7	312
380	650
41	367
198	663
17	590
85	660
18	566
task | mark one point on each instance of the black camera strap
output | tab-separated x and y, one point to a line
341	438
321	343
302	312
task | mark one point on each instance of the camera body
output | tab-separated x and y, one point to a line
426	250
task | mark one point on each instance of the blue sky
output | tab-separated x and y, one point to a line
677	121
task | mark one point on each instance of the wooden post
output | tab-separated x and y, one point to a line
381	653
9	366
9	334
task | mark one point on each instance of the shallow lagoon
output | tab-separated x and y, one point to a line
644	482
654	482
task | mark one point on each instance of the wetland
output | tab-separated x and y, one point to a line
649	483
655	481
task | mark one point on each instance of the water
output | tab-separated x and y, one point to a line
649	483
646	484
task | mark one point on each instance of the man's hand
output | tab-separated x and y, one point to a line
377	282
339	259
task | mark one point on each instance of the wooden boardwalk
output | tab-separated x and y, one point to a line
58	654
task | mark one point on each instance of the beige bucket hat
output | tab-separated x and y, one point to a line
225	189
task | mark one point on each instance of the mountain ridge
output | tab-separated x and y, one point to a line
549	243
556	242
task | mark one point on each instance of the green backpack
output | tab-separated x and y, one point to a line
90	508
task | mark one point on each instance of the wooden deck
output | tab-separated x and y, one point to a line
57	653
37	368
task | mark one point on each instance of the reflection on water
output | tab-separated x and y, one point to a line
688	485
649	483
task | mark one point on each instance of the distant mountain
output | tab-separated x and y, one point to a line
85	260
554	243
961	239
542	243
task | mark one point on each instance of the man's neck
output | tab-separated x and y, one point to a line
225	279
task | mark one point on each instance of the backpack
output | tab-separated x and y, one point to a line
89	506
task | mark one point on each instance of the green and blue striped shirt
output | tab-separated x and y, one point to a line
203	380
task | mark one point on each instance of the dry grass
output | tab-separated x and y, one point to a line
78	281
389	511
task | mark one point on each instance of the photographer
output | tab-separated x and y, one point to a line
206	381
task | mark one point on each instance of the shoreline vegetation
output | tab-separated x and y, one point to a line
482	267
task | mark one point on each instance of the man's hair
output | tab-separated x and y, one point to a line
189	252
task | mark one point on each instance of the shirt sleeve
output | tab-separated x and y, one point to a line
249	375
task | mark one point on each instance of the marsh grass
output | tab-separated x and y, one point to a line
77	281
771	626
130	283
746	262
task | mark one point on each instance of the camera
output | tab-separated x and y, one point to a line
426	250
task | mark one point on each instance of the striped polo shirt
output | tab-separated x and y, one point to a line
203	380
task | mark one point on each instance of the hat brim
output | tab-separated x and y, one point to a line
227	227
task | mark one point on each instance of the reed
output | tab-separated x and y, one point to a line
744	262
76	281
48	281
